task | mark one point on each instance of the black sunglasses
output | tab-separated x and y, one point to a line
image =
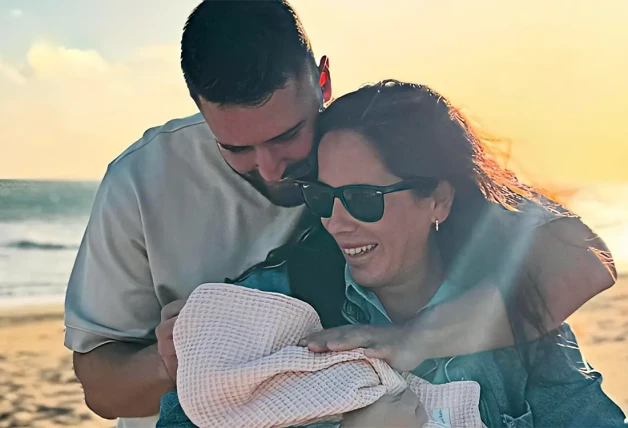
364	202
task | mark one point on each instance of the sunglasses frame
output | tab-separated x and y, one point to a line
429	183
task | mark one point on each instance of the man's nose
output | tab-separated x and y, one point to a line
270	166
340	221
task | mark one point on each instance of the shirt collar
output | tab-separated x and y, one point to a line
367	300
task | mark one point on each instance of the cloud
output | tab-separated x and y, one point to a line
67	112
16	13
49	61
11	74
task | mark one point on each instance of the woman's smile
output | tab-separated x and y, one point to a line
355	253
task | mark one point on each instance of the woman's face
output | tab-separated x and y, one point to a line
398	242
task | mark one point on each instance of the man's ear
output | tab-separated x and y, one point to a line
324	81
443	197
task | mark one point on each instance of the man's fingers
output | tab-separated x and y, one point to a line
321	339
350	341
172	309
166	350
165	328
343	338
164	334
317	347
378	353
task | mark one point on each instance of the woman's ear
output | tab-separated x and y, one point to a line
443	197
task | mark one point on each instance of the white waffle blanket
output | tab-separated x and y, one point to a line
240	366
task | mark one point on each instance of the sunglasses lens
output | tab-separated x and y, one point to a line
319	199
366	205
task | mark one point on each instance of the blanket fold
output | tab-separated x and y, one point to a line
240	366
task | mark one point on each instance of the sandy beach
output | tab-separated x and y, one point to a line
37	385
38	388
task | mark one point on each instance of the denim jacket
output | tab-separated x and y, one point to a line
557	389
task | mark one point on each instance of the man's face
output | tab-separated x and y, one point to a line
270	142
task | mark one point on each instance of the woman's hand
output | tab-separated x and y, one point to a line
402	411
398	345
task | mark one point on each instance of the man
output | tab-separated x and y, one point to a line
202	198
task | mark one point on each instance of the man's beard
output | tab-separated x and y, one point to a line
285	193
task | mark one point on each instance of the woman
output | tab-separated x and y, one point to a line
408	193
452	220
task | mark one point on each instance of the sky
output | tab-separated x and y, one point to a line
80	80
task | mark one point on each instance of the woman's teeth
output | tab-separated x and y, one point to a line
358	250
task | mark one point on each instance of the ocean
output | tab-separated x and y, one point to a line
42	224
41	227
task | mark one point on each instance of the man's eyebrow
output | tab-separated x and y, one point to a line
275	138
287	132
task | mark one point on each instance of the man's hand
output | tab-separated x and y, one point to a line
402	411
398	345
476	322
165	343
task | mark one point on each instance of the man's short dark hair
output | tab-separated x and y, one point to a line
240	52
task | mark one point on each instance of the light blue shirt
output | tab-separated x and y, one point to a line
368	302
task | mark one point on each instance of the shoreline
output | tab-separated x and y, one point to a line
15	315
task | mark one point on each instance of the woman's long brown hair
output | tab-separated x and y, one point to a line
417	132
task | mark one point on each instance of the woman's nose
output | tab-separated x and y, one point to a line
340	221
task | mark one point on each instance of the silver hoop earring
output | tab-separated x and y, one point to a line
436	225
